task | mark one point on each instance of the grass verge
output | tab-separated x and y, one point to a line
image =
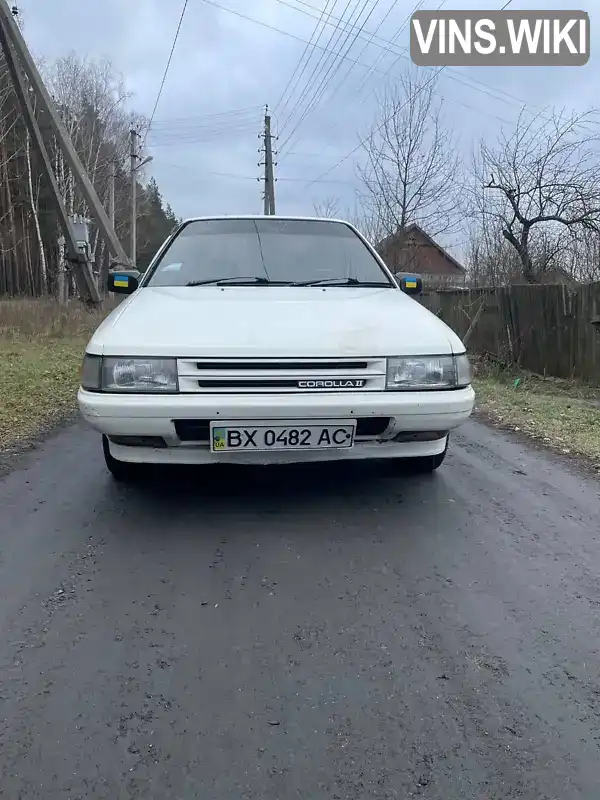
41	347
562	415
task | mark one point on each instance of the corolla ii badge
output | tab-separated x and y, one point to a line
343	383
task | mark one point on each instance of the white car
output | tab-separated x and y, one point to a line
263	340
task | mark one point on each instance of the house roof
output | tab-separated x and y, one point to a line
399	235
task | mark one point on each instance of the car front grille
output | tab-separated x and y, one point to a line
198	430
268	376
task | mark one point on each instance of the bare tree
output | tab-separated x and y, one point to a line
493	261
91	99
542	181
367	224
362	220
329	207
581	255
412	164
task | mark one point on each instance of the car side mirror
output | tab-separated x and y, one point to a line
411	284
124	281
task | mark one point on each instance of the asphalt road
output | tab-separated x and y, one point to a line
344	633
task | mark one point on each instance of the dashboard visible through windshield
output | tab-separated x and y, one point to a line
263	252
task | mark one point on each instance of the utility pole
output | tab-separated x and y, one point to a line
133	139
111	190
269	163
266	188
135	168
269	180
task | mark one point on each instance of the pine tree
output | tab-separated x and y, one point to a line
155	223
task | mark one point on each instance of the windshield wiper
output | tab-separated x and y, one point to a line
257	280
242	280
340	282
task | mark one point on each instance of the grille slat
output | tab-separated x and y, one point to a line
263	383
292	375
300	366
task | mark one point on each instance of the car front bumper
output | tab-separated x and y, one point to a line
414	420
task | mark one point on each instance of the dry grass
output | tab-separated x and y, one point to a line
562	415
41	347
28	320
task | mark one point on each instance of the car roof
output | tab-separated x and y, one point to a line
266	216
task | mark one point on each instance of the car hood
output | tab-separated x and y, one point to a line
272	321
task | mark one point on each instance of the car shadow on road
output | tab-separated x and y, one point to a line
282	487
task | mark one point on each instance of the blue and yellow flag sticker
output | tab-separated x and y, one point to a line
410	283
219	439
121	280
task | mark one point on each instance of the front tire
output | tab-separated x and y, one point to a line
122	471
428	464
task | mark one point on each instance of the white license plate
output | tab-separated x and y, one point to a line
247	437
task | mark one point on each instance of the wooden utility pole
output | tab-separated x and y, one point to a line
269	180
19	61
136	164
266	192
111	191
133	137
269	164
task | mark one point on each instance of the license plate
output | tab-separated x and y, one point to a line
227	437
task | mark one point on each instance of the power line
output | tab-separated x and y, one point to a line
369	41
324	57
401	54
199	126
231	113
379	58
334	66
346	76
189	130
321	89
200	130
173	137
379	127
216	136
513	101
235	176
218	174
387	44
388	49
308	44
183	10
385	121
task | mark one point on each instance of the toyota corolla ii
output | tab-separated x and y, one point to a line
271	340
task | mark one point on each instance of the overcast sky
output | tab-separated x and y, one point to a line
226	67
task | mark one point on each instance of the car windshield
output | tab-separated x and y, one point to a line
261	251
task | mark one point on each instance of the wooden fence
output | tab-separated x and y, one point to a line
552	330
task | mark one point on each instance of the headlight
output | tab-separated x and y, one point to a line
419	373
139	374
116	374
